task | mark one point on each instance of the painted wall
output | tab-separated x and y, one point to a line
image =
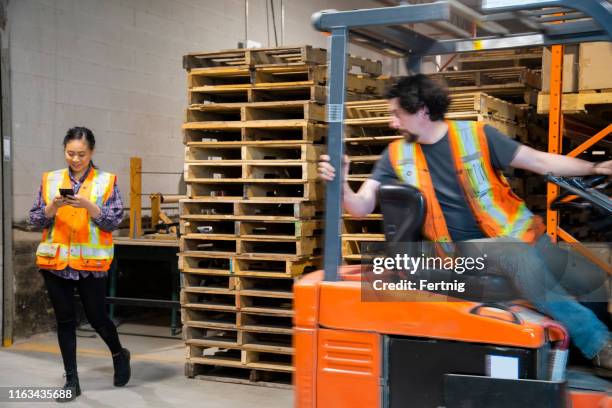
115	66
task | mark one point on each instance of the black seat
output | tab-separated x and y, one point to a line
404	209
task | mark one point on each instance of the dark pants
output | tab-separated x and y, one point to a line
92	292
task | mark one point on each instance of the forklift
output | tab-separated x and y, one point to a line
441	351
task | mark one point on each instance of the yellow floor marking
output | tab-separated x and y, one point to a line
54	349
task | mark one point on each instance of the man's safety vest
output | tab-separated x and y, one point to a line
73	239
497	210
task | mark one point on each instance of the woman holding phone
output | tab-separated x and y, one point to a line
78	207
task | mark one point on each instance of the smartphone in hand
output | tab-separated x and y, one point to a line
64	192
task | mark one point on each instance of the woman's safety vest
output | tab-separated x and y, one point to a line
73	239
497	210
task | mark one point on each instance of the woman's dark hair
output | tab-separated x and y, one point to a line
81	133
418	91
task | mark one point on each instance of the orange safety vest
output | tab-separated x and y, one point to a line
73	239
497	210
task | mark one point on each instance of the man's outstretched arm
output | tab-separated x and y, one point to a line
559	165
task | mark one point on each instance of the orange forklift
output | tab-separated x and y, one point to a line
437	351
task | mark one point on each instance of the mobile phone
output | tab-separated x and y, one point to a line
66	192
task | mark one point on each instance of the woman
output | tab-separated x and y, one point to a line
78	207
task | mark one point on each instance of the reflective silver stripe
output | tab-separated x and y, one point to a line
407	168
469	140
99	186
54	182
88	252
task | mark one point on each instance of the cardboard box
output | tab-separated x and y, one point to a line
595	63
586	67
570	69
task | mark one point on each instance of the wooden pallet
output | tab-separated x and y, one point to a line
274	192
248	93
262	57
276	306
256	265
531	57
228	245
274	245
195	300
369	225
237	375
264	323
368	113
577	103
209	337
201	82
481	103
232	356
246	57
209	319
252	131
232	112
358	244
254	172
274	267
283	229
221	208
248	153
494	81
256	342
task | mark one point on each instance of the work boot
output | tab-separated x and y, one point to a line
121	363
603	360
71	389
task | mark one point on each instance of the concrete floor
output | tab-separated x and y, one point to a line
157	374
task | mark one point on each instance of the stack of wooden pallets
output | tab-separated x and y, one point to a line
252	222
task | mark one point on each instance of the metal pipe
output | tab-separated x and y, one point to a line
246	22
268	23
8	295
282	22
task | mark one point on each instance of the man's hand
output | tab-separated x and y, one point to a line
603	168
327	171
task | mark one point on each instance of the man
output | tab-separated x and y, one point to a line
457	166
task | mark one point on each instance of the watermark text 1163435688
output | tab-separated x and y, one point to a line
33	394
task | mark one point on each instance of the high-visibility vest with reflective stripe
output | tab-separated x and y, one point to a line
497	210
73	239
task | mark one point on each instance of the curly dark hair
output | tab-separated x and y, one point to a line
418	91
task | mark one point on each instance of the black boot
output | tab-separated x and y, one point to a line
71	389
121	363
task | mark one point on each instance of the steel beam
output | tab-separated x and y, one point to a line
326	20
338	42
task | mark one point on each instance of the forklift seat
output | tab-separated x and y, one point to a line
404	209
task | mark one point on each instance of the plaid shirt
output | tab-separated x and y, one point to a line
111	214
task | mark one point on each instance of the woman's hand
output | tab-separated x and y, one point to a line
82	202
57	203
327	171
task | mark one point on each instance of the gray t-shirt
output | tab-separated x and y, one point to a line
459	218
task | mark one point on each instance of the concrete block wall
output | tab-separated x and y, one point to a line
115	66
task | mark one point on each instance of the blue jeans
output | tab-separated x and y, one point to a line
551	278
